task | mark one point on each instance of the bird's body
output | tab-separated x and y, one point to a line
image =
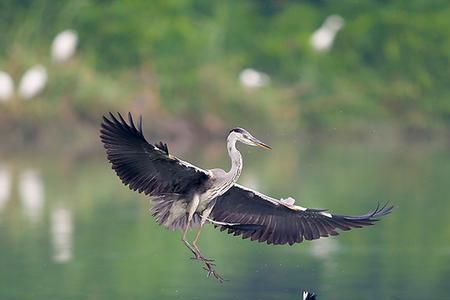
185	196
64	46
322	39
33	82
172	212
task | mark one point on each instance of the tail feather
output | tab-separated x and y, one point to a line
162	211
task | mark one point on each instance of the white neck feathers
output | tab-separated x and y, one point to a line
236	158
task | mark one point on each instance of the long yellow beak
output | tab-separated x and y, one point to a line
261	144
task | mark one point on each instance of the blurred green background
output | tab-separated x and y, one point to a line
364	122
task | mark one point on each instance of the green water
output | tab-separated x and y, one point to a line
91	238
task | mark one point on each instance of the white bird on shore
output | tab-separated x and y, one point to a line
252	78
33	82
64	46
6	87
322	39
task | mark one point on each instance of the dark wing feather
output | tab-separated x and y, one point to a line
144	167
281	223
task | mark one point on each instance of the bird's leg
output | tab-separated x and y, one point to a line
186	243
209	266
205	216
192	209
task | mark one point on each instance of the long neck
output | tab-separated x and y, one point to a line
236	159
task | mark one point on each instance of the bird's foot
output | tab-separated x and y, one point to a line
211	271
199	256
203	259
209	265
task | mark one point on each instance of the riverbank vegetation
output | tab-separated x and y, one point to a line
177	63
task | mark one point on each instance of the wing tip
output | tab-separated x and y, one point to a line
112	122
382	211
371	216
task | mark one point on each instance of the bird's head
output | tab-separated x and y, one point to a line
245	137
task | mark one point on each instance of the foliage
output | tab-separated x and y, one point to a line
389	63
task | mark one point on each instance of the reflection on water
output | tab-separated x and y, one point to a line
61	229
100	242
5	186
31	191
324	248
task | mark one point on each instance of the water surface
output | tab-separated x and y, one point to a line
70	230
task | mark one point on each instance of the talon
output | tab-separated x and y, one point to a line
209	263
208	260
210	269
219	278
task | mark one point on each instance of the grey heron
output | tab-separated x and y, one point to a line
185	196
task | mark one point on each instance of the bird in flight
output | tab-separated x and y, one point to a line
184	196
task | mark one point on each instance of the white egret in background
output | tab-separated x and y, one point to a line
64	46
5	186
31	192
33	82
6	87
322	39
61	230
252	78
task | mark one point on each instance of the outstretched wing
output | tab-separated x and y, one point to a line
280	222
144	167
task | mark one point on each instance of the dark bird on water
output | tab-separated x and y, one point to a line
184	196
308	296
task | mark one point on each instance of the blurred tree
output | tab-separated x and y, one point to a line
390	61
